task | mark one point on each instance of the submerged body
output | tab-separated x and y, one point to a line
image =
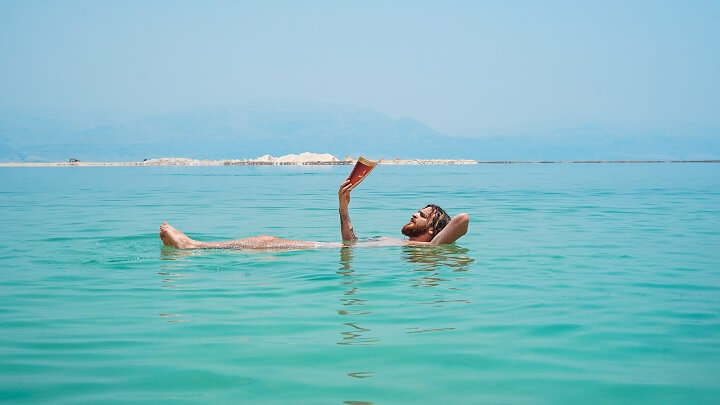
429	226
173	237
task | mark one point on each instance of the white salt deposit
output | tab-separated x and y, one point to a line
305	157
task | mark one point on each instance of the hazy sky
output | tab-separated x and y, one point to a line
460	67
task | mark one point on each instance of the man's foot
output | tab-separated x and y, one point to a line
172	237
163	234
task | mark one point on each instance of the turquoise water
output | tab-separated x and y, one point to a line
575	284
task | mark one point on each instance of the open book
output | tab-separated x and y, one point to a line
362	168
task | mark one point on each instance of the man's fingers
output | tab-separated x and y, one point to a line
345	187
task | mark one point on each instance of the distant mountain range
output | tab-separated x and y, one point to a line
292	128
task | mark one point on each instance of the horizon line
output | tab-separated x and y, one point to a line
399	162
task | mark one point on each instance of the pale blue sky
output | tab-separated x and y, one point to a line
462	67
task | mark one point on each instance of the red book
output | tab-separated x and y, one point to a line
362	168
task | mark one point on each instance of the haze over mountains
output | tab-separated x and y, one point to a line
280	129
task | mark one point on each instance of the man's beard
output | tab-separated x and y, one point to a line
411	230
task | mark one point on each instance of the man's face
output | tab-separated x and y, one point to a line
419	223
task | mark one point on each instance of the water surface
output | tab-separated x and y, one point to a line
575	283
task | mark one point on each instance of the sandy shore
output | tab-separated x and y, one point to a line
308	158
305	158
230	162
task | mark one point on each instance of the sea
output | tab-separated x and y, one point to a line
575	283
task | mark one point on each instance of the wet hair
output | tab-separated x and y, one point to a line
440	218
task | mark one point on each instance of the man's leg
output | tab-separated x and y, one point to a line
172	237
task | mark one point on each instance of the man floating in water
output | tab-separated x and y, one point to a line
429	226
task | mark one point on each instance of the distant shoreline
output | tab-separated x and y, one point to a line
400	162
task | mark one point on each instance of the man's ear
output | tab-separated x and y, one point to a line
431	230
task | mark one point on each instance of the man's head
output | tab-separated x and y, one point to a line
426	223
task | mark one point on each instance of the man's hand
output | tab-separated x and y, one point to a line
346	228
344	195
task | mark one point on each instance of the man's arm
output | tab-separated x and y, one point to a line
346	228
453	231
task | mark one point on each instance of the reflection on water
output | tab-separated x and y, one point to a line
437	266
346	255
355	334
431	258
418	330
171	278
170	253
442	269
173	317
361	374
434	261
350	299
